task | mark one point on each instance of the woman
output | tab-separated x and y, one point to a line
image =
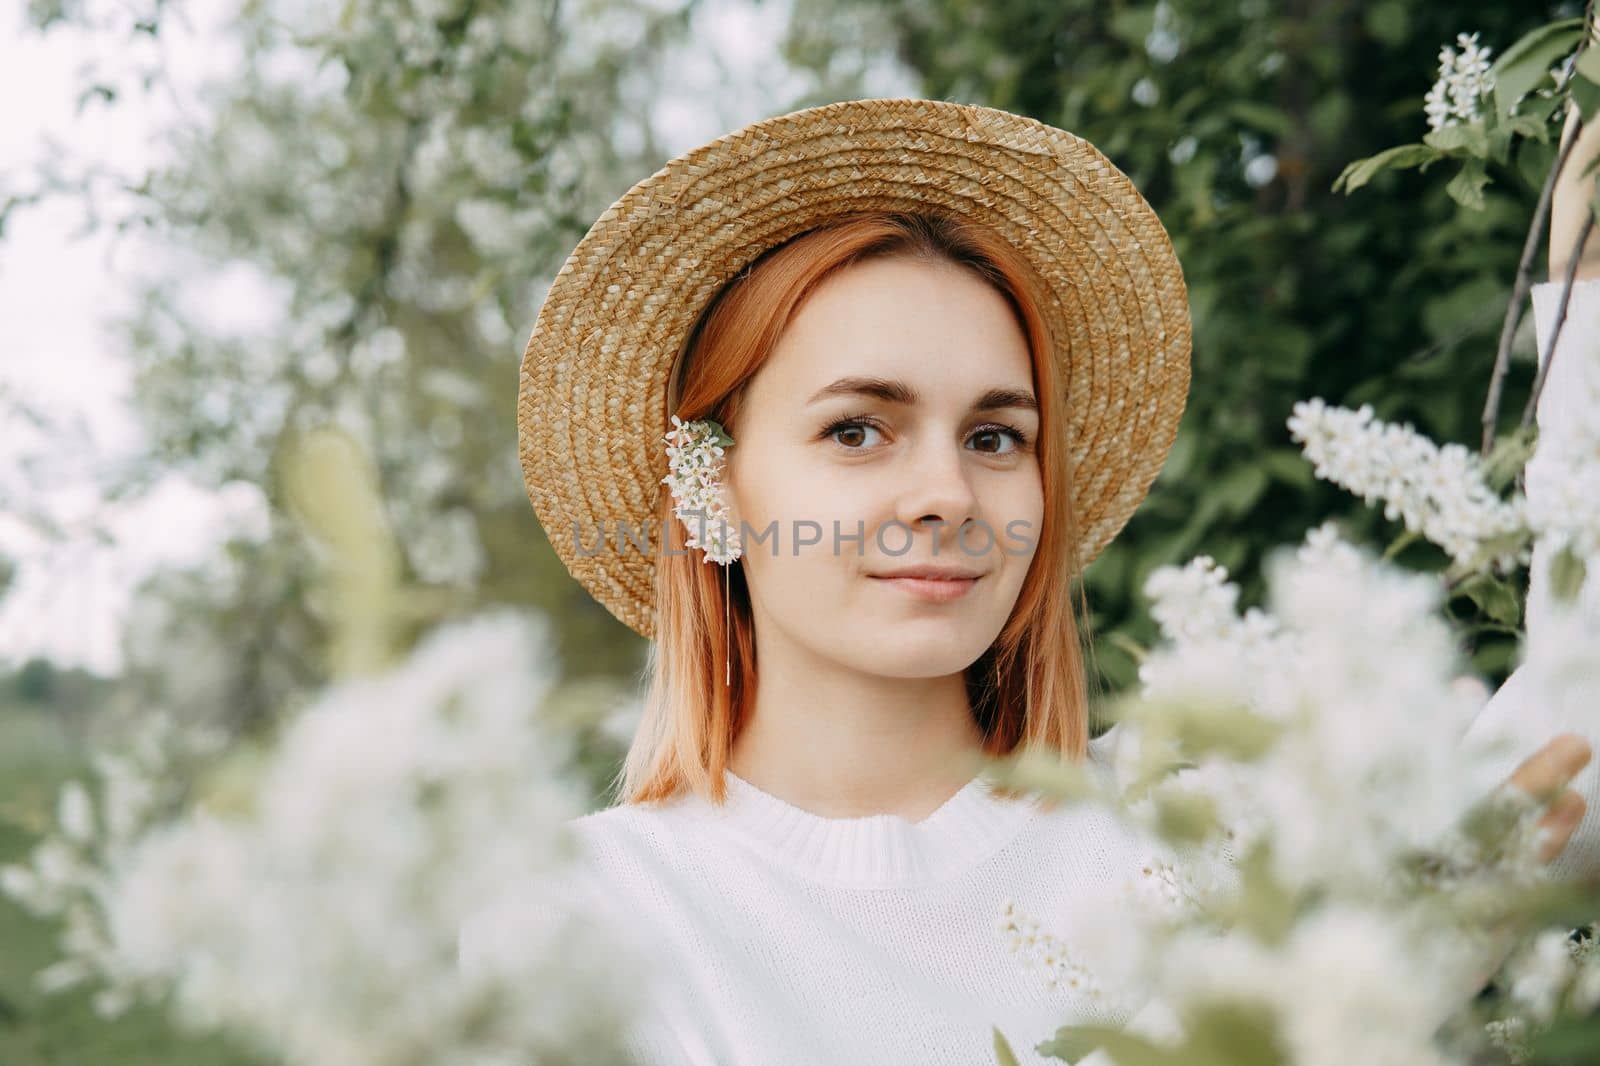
950	345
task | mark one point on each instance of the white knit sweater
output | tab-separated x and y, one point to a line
801	940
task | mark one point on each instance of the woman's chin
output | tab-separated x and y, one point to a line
912	655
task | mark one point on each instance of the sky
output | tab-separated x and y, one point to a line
60	292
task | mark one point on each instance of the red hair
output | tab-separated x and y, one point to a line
1028	688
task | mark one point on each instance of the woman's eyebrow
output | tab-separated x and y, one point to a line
898	392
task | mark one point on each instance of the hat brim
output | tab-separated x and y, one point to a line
592	396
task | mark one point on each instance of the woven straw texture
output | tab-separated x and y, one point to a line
593	385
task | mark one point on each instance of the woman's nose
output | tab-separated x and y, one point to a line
937	488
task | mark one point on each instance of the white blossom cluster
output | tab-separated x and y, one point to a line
1549	967
695	463
1350	983
1358	676
1550	970
325	918
1322	664
1465	83
1197	604
1440	492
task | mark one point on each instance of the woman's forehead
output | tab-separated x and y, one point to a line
926	335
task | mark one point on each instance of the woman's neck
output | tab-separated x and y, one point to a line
843	744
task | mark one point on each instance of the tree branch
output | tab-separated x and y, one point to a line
1519	293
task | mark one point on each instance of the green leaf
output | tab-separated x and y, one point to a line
1494	598
1234	1032
1262	117
1388	22
1491	549
1466	188
1468	137
1567	572
1401	543
1132	25
1002	1049
1266	907
1358	173
1526	62
1586	94
1184	816
1241	488
1588	64
1510	453
718	434
1528	126
1227	729
1043	771
1506	133
1571	1038
1073	1042
1289	466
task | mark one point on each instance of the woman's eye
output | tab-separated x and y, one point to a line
988	435
853	435
849	433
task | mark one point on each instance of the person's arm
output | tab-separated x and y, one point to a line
1569	206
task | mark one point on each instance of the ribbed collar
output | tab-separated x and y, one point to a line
875	850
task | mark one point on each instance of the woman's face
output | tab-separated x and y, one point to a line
896	395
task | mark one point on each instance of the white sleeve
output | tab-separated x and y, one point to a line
1514	718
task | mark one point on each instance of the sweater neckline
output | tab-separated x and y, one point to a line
875	850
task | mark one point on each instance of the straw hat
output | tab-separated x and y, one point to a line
593	397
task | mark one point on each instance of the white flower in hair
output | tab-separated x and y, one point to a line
695	460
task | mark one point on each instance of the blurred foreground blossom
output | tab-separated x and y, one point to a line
1334	782
323	916
1327	825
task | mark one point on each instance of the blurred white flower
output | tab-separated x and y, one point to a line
1260	169
1352	665
327	917
1163	42
447	548
1539	973
492	156
1350	984
495	228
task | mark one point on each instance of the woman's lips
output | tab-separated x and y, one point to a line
929	589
